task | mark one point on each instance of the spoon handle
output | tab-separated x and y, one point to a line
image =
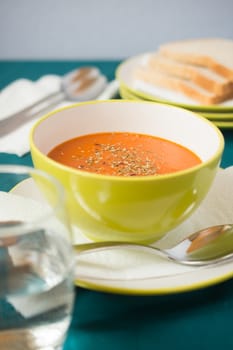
14	121
93	247
110	91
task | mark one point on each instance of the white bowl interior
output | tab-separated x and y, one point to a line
178	125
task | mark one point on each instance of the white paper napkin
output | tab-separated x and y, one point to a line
17	96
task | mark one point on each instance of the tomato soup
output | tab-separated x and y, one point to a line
124	154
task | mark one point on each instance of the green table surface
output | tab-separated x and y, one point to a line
201	319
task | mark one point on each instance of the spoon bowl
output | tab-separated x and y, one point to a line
82	84
211	245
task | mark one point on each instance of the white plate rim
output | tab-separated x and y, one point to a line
191	280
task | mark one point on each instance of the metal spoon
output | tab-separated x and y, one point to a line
211	245
208	246
81	84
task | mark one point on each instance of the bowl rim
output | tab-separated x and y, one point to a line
159	177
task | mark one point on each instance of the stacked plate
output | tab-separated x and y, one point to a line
131	88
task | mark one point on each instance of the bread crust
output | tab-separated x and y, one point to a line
172	83
199	75
205	52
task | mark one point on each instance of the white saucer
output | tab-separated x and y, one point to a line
138	273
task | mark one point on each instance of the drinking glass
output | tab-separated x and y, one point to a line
36	261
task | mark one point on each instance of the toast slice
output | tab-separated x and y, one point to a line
203	77
213	53
183	86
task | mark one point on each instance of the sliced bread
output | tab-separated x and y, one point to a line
213	53
183	86
201	76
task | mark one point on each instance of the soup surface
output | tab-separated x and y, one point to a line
124	154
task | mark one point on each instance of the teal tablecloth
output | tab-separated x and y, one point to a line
193	320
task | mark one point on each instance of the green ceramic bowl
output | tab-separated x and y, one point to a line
129	208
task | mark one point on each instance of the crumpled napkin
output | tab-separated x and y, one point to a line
17	96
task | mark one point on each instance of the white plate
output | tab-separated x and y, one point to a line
138	273
223	121
125	75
